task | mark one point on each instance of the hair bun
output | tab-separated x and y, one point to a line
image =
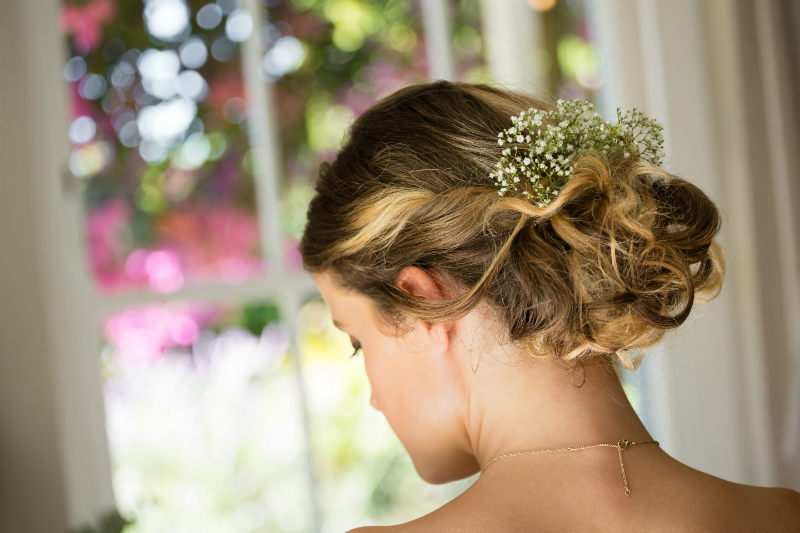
638	250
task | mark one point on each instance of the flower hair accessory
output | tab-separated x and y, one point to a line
541	146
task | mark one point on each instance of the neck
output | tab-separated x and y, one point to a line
538	404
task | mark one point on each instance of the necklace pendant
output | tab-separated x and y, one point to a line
623	444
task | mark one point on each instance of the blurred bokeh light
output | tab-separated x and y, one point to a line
158	152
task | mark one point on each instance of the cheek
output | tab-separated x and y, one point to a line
383	375
373	380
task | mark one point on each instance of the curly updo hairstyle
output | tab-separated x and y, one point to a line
616	260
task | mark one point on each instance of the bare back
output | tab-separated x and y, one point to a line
667	496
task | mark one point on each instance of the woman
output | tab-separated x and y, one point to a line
496	257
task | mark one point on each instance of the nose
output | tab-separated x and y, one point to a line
373	402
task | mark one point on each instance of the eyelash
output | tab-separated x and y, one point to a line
356	346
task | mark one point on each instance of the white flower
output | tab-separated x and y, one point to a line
574	126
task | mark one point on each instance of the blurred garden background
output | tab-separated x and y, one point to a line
211	427
213	424
164	356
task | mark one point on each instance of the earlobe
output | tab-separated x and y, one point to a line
441	335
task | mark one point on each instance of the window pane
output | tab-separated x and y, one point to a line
204	421
468	41
329	60
160	149
365	475
570	57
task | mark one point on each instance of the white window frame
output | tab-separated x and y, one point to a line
86	468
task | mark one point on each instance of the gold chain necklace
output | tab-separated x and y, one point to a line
621	445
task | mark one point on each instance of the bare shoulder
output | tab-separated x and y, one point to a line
399	528
722	505
456	516
705	504
777	507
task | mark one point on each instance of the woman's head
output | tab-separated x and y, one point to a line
415	379
610	265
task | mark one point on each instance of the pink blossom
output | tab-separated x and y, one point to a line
85	22
164	273
291	254
214	243
80	106
104	226
144	334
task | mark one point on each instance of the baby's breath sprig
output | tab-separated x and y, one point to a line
541	146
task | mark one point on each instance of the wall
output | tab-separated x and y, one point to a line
53	454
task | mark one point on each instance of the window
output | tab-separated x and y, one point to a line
197	127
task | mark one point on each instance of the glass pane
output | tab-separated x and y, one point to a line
468	41
159	141
570	57
365	475
329	60
204	420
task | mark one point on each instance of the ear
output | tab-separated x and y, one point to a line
419	283
422	284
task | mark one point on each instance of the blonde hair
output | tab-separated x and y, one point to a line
616	260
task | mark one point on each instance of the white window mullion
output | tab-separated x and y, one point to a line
255	290
263	128
436	17
291	304
511	31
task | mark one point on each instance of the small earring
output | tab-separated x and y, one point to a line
477	363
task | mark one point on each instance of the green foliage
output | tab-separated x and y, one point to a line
255	317
110	522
